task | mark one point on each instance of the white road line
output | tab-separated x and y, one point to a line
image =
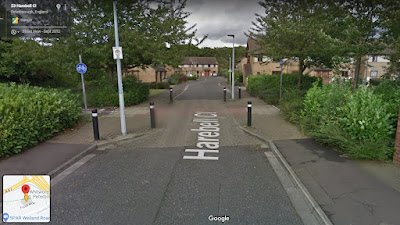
185	89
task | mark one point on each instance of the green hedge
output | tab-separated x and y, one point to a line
103	93
267	86
177	78
29	115
159	85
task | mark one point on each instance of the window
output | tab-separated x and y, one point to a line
260	58
374	58
345	73
276	72
374	73
258	73
208	65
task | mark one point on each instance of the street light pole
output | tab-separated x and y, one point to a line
229	70
120	87
233	65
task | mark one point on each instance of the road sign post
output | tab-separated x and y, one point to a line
117	53
82	68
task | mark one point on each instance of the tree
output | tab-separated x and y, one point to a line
294	29
149	32
360	24
391	34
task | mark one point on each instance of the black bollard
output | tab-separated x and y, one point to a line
152	116
95	125
240	92
224	94
249	114
171	99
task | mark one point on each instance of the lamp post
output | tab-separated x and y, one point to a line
120	87
233	65
229	69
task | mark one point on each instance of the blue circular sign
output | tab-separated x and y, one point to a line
81	68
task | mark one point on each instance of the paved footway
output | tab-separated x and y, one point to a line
197	167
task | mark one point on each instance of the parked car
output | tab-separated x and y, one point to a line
215	74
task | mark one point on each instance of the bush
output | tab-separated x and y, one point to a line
182	79
159	85
29	115
267	86
192	78
355	122
292	104
103	93
375	81
174	78
390	93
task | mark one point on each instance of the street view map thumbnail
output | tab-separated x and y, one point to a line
26	198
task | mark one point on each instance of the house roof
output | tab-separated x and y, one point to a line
252	46
200	60
160	69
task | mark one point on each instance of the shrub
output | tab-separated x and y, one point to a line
182	79
291	104
29	115
355	122
192	78
390	93
267	86
174	78
375	81
103	93
159	85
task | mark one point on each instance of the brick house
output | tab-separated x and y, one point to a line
149	73
204	66
254	63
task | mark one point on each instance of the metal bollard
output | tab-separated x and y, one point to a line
240	92
152	116
95	125
249	113
171	99
224	94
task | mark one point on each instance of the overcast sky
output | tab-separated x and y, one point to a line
218	18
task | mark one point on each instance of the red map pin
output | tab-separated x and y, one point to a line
25	188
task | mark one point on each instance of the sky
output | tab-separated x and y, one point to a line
218	18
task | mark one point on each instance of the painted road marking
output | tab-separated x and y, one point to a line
207	136
200	154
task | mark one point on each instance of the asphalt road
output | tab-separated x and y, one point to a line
147	180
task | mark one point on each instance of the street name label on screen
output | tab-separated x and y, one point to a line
207	137
26	198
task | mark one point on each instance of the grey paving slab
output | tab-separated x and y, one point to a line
347	193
